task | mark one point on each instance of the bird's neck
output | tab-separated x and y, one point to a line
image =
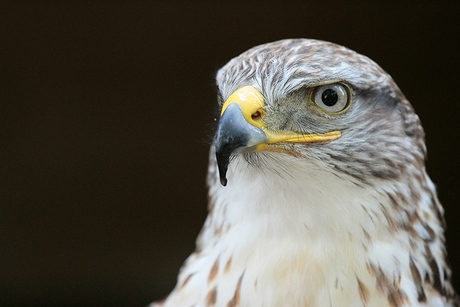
308	206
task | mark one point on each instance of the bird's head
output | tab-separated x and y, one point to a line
316	102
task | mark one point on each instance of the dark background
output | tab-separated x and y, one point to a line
106	111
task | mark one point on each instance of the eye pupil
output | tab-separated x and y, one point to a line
329	97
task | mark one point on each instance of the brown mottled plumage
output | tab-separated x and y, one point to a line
327	202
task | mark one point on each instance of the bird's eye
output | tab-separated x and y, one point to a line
332	98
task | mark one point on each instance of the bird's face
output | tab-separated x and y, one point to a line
316	102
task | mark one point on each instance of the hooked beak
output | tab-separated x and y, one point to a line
242	129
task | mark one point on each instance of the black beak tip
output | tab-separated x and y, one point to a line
223	180
222	163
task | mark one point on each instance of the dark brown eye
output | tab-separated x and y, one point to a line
332	98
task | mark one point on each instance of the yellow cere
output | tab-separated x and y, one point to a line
250	101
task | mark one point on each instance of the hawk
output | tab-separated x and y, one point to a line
318	194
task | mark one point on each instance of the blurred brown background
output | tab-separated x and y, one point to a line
106	112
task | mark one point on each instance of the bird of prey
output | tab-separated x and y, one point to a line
318	194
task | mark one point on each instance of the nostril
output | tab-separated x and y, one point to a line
257	115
